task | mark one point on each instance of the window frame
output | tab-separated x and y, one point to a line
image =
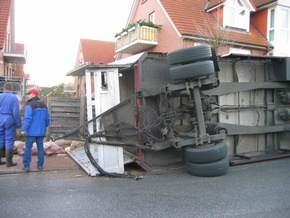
271	29
233	12
285	29
152	17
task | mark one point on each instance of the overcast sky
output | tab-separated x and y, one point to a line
51	30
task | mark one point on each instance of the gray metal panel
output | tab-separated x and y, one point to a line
248	99
280	70
153	73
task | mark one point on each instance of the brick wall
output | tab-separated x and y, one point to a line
170	39
259	20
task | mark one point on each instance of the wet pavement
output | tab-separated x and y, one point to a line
245	191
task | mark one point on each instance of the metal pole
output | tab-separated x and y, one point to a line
199	112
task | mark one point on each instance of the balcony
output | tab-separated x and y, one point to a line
137	39
17	57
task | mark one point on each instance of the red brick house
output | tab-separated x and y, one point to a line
92	51
231	26
12	54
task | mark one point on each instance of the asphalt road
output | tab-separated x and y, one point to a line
251	190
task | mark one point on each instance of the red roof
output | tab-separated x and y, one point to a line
5	7
190	18
97	51
214	3
255	3
260	3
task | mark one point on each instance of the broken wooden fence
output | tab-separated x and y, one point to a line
67	114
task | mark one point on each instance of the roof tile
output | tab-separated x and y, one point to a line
190	18
5	7
260	3
97	51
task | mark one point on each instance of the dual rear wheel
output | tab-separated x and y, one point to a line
207	160
192	62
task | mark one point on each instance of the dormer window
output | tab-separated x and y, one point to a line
237	15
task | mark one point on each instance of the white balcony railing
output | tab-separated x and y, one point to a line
137	39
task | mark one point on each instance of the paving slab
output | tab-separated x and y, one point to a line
51	163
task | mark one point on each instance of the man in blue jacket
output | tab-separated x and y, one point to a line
9	121
36	120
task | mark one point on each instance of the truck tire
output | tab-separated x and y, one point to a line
206	153
193	70
208	169
190	54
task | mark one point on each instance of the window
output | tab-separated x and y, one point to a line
236	15
284	25
272	25
240	51
104	81
152	17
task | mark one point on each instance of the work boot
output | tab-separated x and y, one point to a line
26	169
9	155
1	155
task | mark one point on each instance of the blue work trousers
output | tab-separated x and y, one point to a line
7	131
27	151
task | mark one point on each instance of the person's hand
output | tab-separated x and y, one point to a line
18	131
23	133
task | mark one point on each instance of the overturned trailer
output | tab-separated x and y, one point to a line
190	108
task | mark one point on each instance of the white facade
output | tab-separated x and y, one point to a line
279	28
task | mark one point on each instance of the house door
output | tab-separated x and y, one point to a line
107	94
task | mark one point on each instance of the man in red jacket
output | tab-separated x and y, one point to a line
36	120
